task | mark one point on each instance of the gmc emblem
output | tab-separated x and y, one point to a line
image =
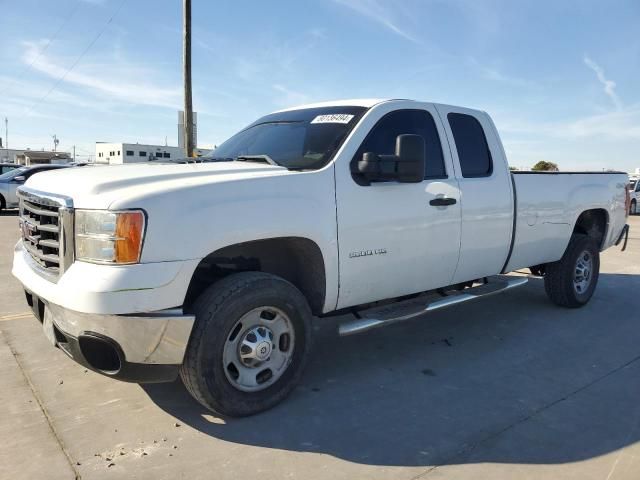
27	229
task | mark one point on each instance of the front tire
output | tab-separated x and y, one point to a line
571	281
249	345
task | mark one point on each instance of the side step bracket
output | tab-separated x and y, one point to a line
379	317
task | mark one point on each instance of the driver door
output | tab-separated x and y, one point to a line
391	240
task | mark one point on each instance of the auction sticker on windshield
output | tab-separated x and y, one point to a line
333	118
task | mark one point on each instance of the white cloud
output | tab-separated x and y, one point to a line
609	85
380	13
612	126
23	95
591	142
120	80
491	72
290	97
619	125
275	59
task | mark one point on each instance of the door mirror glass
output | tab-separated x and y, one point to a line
407	165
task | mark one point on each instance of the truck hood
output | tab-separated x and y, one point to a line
100	185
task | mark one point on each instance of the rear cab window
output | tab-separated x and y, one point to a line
471	144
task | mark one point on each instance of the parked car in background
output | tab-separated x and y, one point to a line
7	167
12	179
634	193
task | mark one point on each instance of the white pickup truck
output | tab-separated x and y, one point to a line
381	210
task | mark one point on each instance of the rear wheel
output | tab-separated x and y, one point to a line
571	281
249	345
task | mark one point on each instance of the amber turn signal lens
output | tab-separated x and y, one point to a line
129	231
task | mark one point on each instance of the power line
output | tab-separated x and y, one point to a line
41	52
84	52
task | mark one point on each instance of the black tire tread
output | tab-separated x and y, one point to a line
559	275
205	308
213	297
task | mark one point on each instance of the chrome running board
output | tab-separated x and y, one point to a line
381	316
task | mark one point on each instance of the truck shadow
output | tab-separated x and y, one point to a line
511	379
9	213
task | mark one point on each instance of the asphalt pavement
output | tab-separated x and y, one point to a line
507	387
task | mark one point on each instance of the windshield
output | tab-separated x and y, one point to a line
13	173
297	139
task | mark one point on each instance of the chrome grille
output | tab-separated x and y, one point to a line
46	224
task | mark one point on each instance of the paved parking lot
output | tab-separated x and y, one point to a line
509	387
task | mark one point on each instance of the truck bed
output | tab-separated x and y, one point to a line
547	205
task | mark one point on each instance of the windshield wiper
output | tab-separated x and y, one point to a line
193	160
217	159
172	160
257	158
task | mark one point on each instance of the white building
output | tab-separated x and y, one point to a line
9	155
33	157
117	153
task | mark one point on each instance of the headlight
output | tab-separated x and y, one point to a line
109	237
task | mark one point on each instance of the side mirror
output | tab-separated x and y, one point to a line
406	166
412	158
19	179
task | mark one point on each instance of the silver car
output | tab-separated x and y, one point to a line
10	181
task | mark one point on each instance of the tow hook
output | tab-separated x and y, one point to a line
624	233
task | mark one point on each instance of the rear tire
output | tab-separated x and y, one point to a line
249	345
571	281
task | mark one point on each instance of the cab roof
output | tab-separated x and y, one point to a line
354	102
364	102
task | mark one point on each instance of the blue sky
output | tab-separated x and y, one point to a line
561	78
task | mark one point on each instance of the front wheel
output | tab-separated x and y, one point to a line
571	281
250	342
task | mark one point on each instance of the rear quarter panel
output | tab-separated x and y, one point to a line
548	206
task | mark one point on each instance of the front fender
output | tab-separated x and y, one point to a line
194	221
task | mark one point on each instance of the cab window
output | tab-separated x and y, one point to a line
471	145
381	140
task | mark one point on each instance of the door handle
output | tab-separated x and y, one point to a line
442	202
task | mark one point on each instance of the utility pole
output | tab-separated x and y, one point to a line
55	142
186	59
6	136
74	154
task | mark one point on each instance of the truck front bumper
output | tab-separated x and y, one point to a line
139	348
121	321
